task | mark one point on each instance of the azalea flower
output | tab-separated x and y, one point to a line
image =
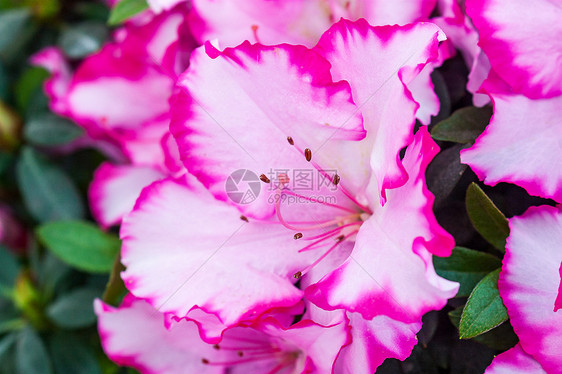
525	87
120	95
188	247
515	361
461	33
135	335
293	21
303	22
529	285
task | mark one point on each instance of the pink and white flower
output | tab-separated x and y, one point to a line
135	335
294	21
120	96
523	139
186	246
529	284
515	361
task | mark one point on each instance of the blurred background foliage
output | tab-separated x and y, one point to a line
55	260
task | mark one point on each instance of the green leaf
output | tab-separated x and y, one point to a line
7	353
484	309
12	23
486	217
31	355
51	130
28	84
74	309
80	244
71	355
9	271
501	338
48	193
115	288
80	40
464	126
466	266
126	9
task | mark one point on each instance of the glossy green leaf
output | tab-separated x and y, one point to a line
51	130
486	217
8	272
28	85
466	266
115	288
48	193
463	126
72	355
80	244
126	9
74	309
31	354
501	338
484	309
12	23
83	39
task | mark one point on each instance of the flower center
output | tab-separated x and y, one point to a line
251	350
339	228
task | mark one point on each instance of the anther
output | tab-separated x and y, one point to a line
298	235
264	179
244	218
308	154
340	238
290	140
240	353
205	361
336	179
216	346
297	275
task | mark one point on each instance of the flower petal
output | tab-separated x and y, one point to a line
374	341
183	249
56	87
383	12
134	335
236	109
523	44
558	302
514	361
529	283
390	271
260	21
115	189
379	62
518	145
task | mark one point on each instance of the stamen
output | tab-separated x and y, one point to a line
312	227
298	235
297	275
255	32
333	231
308	154
216	346
336	179
205	361
314	200
264	179
290	140
307	269
244	218
340	238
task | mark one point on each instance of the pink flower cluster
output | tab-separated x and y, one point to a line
212	111
522	145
